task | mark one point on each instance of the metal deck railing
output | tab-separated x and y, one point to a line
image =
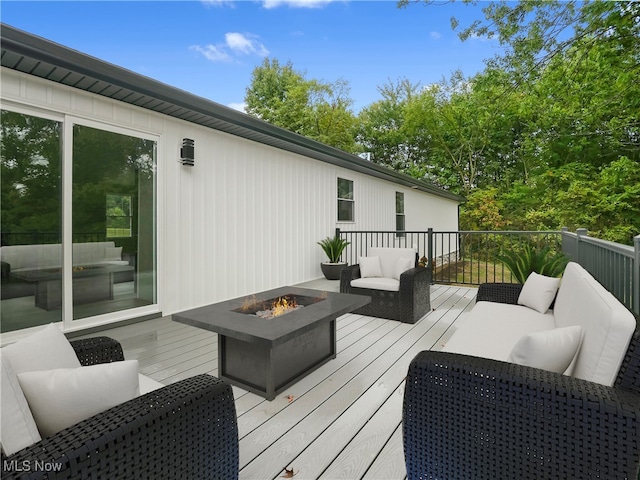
472	257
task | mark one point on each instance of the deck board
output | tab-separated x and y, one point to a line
342	421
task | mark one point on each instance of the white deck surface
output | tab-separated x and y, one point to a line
342	421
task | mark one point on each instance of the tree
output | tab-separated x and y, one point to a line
561	109
381	130
319	110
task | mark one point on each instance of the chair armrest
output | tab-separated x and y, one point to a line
414	294
499	292
468	417
346	275
92	351
185	430
629	373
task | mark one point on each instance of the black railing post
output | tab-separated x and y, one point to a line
636	274
430	249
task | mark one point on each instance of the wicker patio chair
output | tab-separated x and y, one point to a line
184	430
409	304
472	418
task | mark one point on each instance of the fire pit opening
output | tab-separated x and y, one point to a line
275	307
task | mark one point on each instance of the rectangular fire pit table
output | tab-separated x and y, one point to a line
267	355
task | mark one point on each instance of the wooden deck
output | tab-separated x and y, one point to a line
343	421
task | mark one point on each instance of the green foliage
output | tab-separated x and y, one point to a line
333	247
548	135
521	263
282	96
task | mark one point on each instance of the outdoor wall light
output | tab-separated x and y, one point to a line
187	152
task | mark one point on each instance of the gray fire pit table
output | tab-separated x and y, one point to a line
267	355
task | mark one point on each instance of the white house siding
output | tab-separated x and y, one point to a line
247	216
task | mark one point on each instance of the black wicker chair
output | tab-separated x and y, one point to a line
472	418
408	305
184	430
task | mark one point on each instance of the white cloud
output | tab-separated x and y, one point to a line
241	107
212	52
245	44
218	3
295	3
436	35
234	43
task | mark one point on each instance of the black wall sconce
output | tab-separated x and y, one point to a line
187	152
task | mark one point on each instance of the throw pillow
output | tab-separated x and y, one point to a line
551	350
113	253
63	397
538	292
17	426
370	267
402	265
44	350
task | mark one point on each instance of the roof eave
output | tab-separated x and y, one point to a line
49	56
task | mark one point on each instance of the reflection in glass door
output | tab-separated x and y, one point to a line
31	233
113	222
110	180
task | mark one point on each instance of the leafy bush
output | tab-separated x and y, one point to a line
543	261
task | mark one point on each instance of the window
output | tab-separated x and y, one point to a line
118	216
400	226
345	200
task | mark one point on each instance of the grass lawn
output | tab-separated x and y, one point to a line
472	271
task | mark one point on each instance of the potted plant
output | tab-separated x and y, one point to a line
543	261
333	247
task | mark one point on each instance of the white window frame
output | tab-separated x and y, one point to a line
341	199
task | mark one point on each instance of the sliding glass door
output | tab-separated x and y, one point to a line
113	221
78	223
31	216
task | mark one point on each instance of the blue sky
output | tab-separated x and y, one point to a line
210	48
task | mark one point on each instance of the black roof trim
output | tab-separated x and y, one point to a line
37	56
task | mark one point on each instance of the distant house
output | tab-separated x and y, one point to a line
104	219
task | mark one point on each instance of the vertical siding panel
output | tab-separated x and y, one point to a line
247	216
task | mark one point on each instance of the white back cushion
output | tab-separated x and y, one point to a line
44	350
607	324
63	397
389	258
370	267
538	292
551	350
17	426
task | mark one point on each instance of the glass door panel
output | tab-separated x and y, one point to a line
113	222
31	232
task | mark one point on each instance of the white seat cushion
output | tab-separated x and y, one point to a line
493	329
377	283
148	384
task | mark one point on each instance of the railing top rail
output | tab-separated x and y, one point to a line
616	247
511	232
